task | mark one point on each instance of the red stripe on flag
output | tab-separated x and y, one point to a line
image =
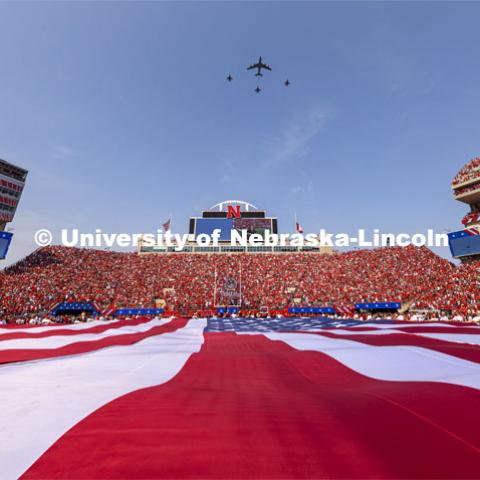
10	356
247	407
64	330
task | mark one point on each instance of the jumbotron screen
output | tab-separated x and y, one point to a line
226	225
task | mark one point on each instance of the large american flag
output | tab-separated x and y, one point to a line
240	398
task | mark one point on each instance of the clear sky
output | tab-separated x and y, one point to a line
122	113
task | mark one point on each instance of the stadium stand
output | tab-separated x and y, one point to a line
468	172
186	281
458	293
467	189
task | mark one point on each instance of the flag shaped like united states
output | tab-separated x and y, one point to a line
240	398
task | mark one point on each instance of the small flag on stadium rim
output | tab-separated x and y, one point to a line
298	227
166	225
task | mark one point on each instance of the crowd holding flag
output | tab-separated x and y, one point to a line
124	385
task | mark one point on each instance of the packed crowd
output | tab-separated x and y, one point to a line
459	293
467	189
199	281
469	171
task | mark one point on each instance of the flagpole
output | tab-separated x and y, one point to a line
215	289
240	283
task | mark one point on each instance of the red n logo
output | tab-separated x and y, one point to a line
233	211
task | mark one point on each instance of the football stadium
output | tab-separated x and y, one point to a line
238	345
61	284
296	355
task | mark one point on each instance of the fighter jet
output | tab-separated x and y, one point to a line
286	82
258	89
259	65
229	78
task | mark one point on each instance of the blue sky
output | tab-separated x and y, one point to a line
122	113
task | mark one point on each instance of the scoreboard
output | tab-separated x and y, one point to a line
226	225
250	221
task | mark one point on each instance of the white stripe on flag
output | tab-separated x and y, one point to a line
40	401
74	326
406	325
392	363
471	338
345	331
58	341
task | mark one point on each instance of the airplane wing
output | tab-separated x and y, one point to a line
254	65
267	67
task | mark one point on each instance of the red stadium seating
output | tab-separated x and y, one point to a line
186	281
469	171
459	293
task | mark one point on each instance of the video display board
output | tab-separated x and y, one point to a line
226	225
208	225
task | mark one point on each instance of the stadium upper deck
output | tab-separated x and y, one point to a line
465	244
12	182
466	184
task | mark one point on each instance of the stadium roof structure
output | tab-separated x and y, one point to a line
12	183
14	170
223	205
